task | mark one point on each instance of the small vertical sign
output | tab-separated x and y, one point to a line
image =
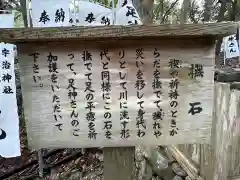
9	122
231	47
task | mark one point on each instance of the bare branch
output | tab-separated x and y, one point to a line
192	13
195	13
169	10
207	10
222	11
220	18
192	18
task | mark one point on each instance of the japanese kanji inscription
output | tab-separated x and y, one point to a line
9	122
117	95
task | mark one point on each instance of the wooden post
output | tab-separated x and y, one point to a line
225	143
206	161
40	163
238	43
226	126
119	163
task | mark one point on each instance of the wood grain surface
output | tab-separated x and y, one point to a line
38	100
212	30
226	128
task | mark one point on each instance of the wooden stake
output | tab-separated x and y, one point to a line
239	43
40	163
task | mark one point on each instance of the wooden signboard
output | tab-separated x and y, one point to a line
117	95
114	92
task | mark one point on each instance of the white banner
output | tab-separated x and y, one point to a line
127	15
90	13
231	47
9	122
93	14
6	20
52	13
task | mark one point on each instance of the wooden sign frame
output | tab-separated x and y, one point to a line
190	43
198	32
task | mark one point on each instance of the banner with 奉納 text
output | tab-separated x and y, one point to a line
54	13
121	94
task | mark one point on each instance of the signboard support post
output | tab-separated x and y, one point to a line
40	162
239	43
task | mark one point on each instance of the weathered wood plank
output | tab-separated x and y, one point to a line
234	140
143	170
187	149
185	162
208	153
226	123
233	178
191	150
239	42
206	161
199	178
227	75
214	30
38	101
119	163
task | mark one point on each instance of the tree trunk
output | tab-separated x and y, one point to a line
24	12
236	10
207	10
1	4
220	18
145	10
222	11
185	11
